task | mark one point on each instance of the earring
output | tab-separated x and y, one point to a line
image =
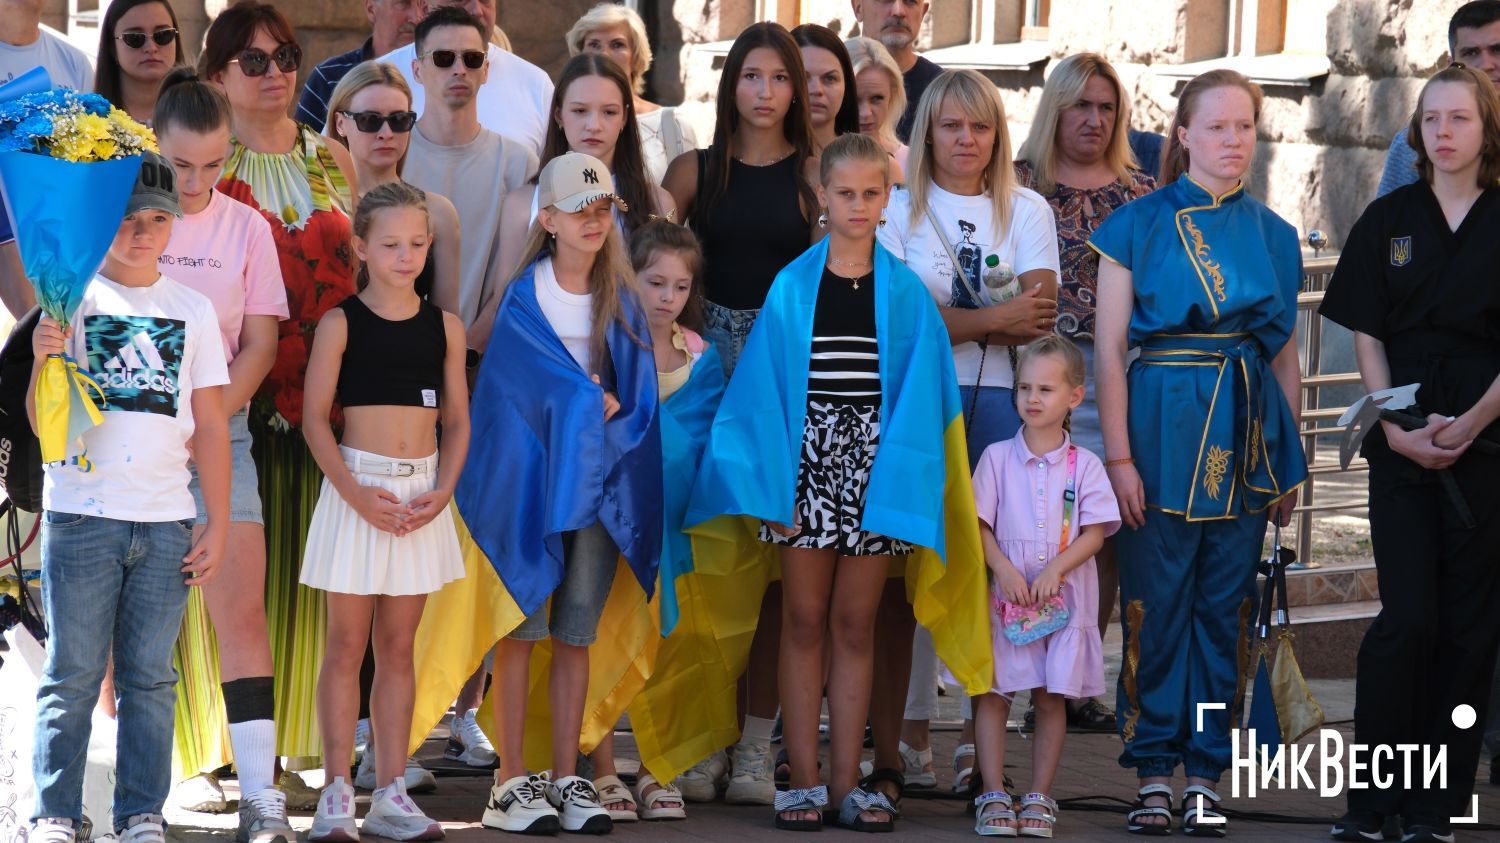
822	220
882	221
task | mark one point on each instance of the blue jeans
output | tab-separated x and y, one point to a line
108	582
728	330
993	418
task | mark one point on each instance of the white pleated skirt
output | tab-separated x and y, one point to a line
349	555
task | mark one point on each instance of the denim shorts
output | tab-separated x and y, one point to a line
728	330
990	419
589	560
244	488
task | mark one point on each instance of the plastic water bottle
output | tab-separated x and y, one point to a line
1000	280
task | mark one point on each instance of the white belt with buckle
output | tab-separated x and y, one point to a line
360	464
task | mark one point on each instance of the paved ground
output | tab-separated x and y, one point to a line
1090	784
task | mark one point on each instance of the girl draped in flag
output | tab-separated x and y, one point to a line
1203	279
840	436
382	536
569	481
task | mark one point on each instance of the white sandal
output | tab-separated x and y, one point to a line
612	790
961	776
663	803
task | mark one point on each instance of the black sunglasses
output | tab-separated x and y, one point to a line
255	62
137	40
370	122
473	59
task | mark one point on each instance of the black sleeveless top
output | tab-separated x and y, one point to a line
755	230
392	363
423	284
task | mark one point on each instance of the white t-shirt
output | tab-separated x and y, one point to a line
67	66
658	147
970	226
569	314
148	348
513	101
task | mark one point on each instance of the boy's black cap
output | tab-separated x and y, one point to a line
155	187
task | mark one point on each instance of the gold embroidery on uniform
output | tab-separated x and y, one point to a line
1253	458
1215	466
1242	649
1201	252
1135	612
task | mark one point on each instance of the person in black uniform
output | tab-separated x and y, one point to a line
1419	284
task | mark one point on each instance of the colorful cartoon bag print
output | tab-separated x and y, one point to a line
1025	624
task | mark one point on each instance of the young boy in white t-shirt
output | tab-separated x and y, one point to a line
117	554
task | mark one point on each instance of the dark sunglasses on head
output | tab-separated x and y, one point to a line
370	122
255	62
473	59
137	40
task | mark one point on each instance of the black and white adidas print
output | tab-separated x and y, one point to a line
838	448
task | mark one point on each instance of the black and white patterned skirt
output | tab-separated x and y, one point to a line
838	448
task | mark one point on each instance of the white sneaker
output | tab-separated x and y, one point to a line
263	818
200	794
361	737
144	828
299	796
334	820
702	781
468	744
52	830
393	815
751	782
520	805
578	805
419	779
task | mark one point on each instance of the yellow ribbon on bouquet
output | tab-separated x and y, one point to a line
65	410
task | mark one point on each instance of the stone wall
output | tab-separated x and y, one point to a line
1322	145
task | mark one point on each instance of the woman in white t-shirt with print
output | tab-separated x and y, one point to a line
960	222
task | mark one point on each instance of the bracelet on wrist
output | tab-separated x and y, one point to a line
1120	461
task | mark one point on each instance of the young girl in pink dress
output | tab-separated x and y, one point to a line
1040	545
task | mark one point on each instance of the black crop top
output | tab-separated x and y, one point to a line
755	230
392	363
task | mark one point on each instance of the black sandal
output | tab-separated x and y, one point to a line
1200	812
1092	716
857	802
886	775
799	801
1139	810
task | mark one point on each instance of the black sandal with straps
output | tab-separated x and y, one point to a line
1200	812
1139	810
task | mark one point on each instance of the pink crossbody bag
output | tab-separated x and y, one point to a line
1026	624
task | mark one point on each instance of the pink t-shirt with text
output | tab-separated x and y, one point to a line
226	253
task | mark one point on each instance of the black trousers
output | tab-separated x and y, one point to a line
1432	648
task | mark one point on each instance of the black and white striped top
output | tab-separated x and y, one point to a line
845	363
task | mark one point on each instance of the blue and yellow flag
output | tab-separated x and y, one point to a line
542	461
920	489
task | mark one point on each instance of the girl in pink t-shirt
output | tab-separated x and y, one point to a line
1045	507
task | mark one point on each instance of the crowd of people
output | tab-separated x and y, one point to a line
520	393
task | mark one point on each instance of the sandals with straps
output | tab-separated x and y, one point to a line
1200	812
859	801
886	776
611	790
800	800
961	775
658	801
1037	807
983	816
1139	809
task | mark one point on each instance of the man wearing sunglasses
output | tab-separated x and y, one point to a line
516	100
392	24
25	43
452	154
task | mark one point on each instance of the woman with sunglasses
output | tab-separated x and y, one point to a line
303	185
138	44
370	113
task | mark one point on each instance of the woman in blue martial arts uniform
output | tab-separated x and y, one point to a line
1200	436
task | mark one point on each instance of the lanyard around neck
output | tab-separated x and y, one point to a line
1070	494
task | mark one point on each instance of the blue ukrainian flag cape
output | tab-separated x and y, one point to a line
920	489
542	462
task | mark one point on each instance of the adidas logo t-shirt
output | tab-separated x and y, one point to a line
148	348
